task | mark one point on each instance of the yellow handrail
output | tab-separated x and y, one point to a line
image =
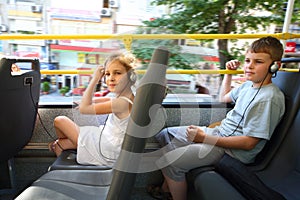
128	38
53	72
283	36
224	71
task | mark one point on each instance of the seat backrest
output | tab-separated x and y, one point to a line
282	173
289	83
19	97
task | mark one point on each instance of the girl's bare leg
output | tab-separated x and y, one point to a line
67	132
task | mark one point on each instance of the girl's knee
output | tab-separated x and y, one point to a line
59	120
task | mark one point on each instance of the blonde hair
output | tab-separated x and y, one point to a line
125	58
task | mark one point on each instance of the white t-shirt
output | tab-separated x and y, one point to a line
258	116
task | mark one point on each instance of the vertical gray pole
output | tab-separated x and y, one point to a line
151	91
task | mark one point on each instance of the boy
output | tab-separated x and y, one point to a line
259	106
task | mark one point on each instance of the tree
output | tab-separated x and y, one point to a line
144	54
220	16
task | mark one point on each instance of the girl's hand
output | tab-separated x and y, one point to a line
233	64
195	134
99	73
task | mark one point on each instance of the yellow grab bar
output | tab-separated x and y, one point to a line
221	71
128	38
283	36
53	72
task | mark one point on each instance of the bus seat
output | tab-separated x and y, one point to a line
281	175
69	184
97	184
67	160
18	104
277	166
289	83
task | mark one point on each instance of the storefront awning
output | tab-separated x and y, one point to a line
58	48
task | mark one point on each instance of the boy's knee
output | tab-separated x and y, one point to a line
163	137
161	134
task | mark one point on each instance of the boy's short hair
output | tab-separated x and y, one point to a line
269	45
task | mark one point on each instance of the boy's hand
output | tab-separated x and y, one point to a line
195	134
233	64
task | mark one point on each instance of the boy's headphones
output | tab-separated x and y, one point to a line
274	67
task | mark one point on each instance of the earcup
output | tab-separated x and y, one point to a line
274	67
132	76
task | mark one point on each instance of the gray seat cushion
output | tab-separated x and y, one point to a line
210	185
67	161
70	184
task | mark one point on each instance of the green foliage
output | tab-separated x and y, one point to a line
64	90
221	16
143	49
46	86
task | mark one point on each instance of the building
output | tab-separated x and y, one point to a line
23	18
93	17
71	17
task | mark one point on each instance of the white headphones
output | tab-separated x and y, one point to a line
132	76
274	67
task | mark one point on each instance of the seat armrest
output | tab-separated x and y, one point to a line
210	185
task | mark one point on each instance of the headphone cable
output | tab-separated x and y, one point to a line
39	116
248	106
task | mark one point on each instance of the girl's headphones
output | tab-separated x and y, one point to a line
131	76
274	67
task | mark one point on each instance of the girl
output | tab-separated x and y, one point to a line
100	145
